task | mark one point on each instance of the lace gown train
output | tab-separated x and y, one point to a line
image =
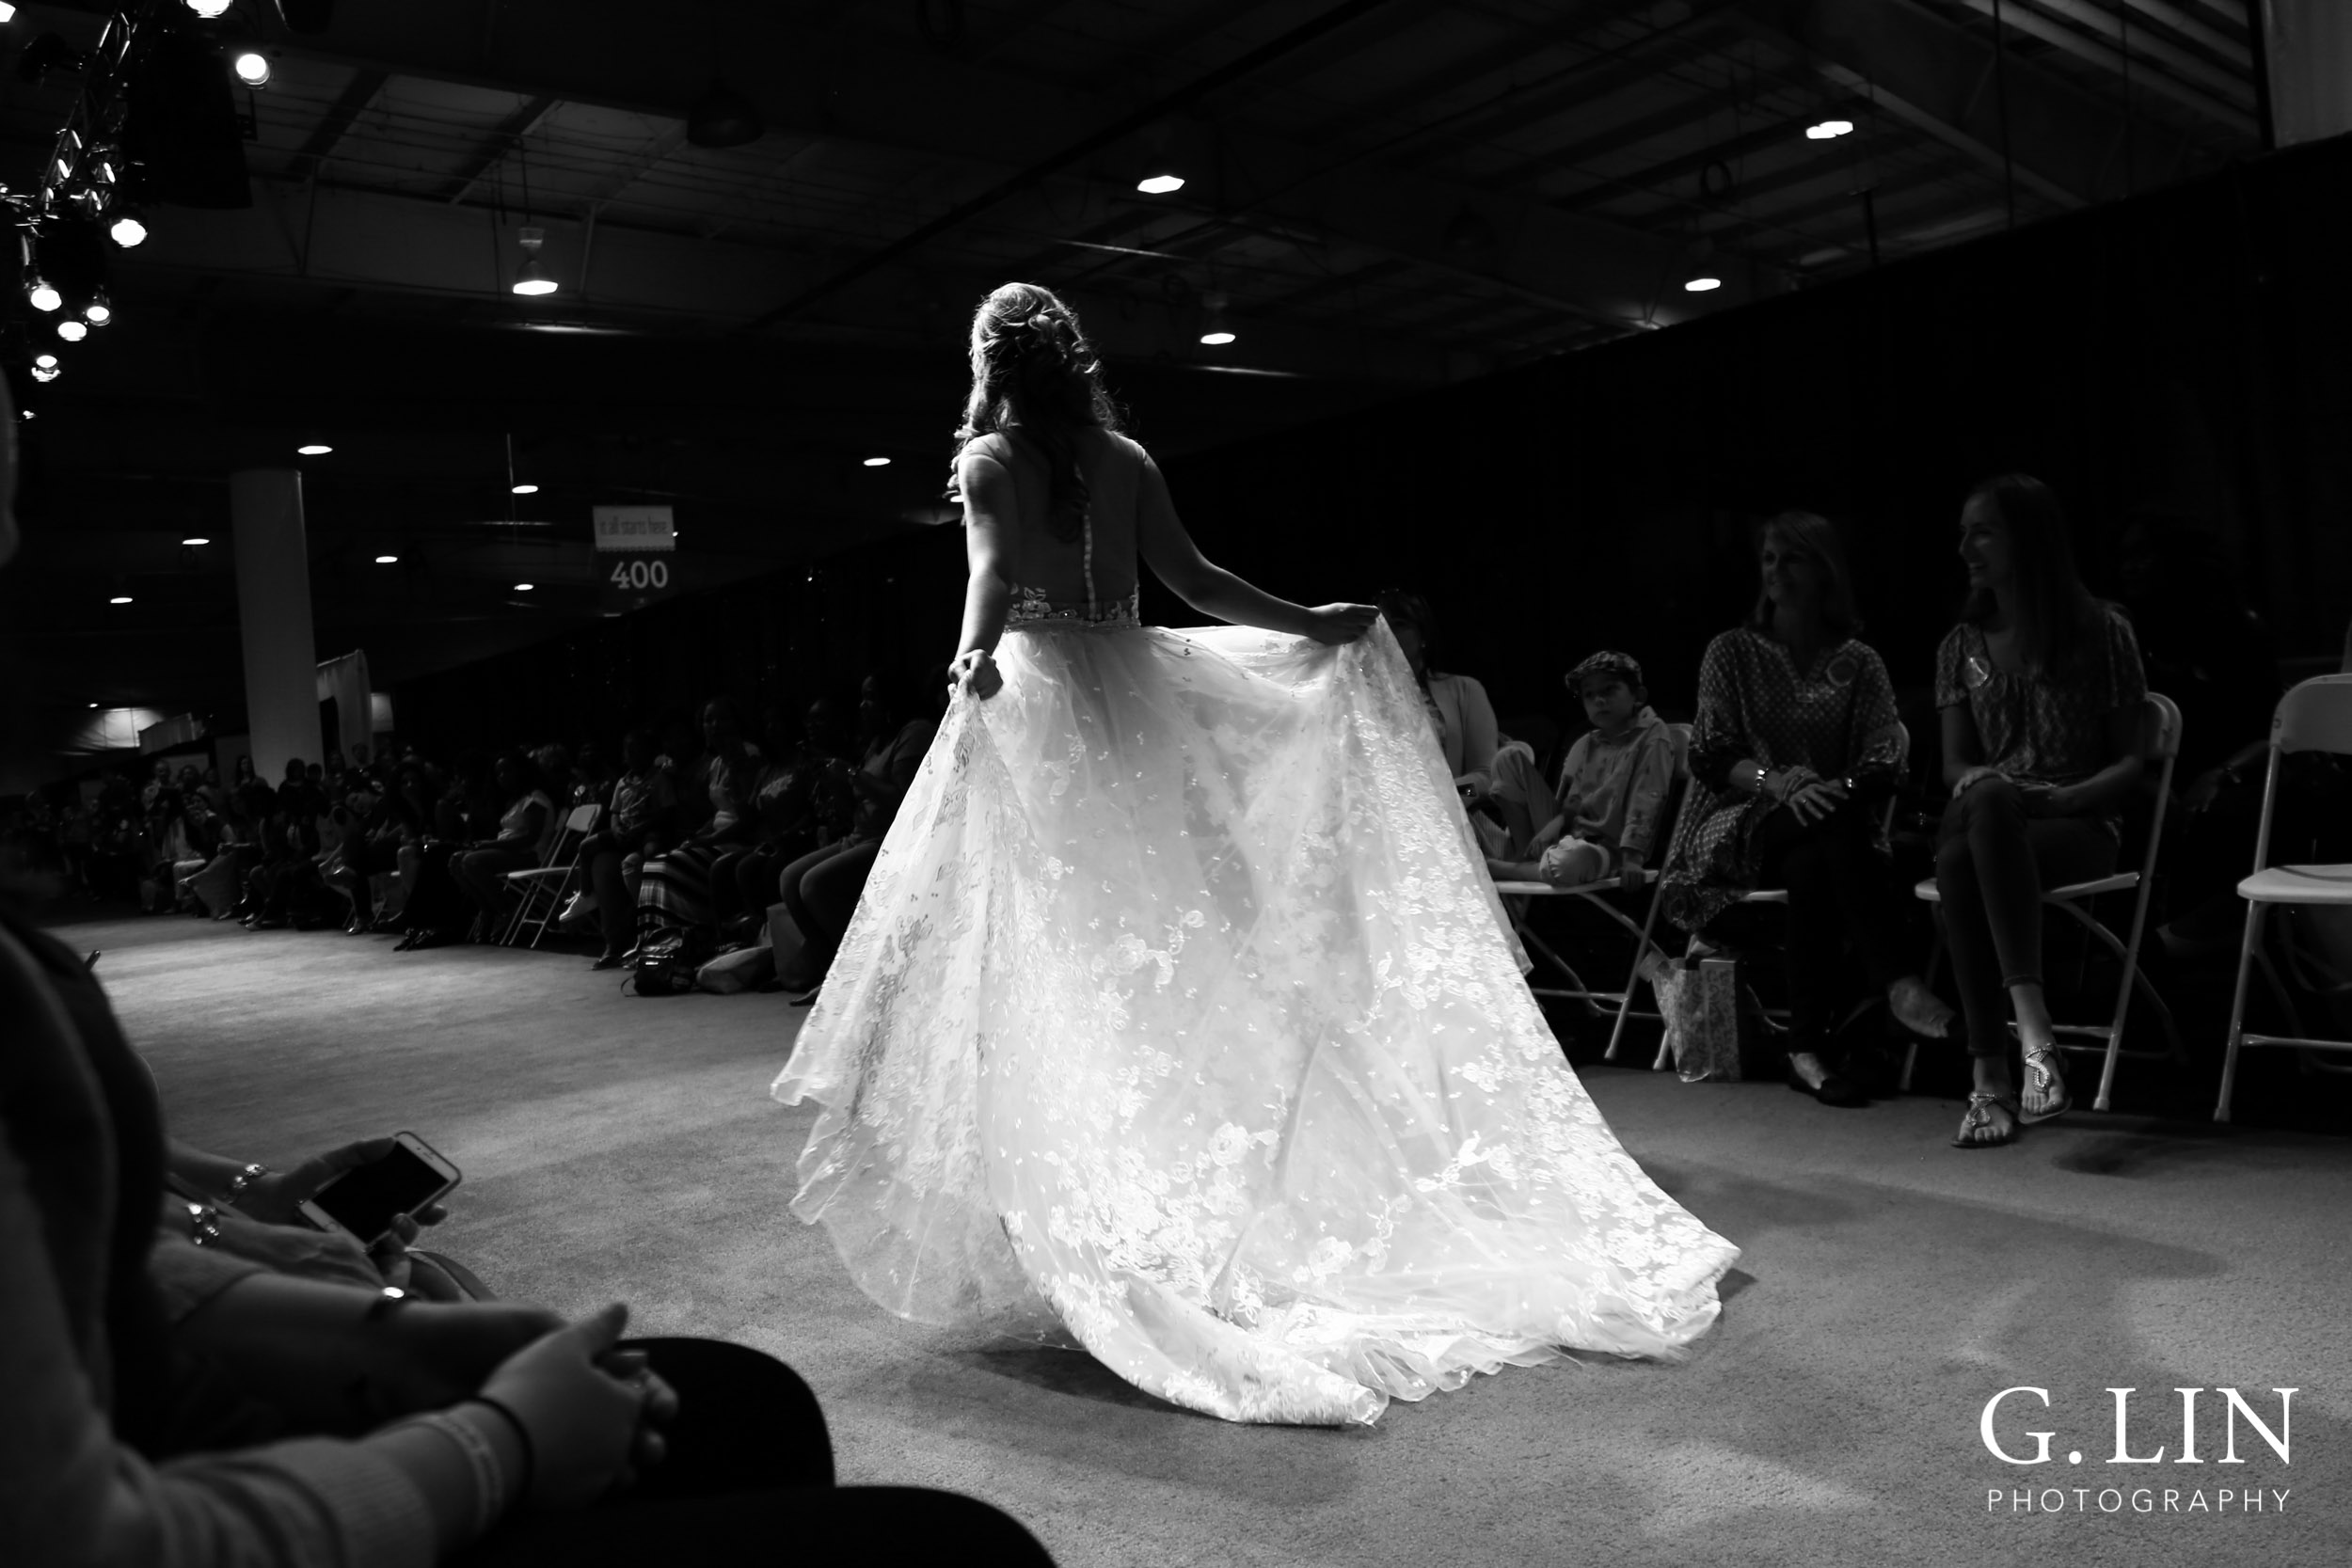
1180	1020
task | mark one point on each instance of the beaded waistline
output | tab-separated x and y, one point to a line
1034	609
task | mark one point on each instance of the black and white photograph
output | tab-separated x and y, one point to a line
1494	784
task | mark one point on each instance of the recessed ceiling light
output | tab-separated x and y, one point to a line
878	461
196	539
526	489
1703	285
1828	129
387	559
316	449
524	587
94	704
1160	184
1217	339
119	599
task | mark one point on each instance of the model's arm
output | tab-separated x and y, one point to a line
988	532
1214	591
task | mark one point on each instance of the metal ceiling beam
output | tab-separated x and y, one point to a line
1932	74
500	142
860	86
2226	110
347	108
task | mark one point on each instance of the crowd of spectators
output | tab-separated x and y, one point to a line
693	836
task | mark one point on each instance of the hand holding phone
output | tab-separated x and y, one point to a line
363	1201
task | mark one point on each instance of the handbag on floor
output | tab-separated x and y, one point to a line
1709	1021
667	960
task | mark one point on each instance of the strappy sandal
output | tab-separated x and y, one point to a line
1978	1119
2044	1080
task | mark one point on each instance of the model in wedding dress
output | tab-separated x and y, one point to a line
1178	1019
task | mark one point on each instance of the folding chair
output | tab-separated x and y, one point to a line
2315	716
1775	1020
2161	743
1520	901
544	884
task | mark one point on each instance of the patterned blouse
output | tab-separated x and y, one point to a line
2031	726
1836	717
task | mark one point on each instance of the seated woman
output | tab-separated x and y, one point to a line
897	720
527	825
674	888
1795	747
2041	692
465	816
395	820
783	828
1457	705
638	820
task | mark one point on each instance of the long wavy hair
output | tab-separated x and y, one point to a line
2057	616
1812	534
1035	375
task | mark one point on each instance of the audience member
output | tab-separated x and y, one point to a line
526	826
674	888
783	828
639	819
1601	818
2041	693
896	722
1457	705
1795	749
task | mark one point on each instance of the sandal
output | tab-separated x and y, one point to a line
1978	1130
2045	1085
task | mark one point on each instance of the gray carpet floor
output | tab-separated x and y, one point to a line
623	1148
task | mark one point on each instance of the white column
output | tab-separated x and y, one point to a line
281	697
2308	44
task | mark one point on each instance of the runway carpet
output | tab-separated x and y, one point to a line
621	1148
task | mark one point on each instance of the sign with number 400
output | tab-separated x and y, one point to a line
633	582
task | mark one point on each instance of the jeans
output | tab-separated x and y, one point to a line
1992	862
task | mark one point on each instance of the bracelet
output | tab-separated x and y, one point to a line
204	1224
244	1178
522	1436
489	1477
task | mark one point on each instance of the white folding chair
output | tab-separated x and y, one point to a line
1520	900
544	884
2160	742
2315	716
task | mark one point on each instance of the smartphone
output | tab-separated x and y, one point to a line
362	1200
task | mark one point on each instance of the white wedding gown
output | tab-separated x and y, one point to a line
1181	1020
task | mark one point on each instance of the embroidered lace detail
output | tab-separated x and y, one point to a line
1180	1018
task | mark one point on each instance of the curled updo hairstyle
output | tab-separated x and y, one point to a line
1035	374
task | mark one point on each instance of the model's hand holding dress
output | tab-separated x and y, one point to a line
1178	1018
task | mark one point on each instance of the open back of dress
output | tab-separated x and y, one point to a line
1179	1019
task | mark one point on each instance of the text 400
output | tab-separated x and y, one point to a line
641	574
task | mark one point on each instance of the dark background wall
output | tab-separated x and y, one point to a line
2186	350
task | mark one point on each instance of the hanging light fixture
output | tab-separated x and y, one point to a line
1160	184
72	331
210	9
46	368
532	277
1215	331
129	228
252	68
99	311
1828	130
40	295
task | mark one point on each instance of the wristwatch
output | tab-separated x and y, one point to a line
204	1224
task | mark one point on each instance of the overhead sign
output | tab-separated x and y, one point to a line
635	528
636	579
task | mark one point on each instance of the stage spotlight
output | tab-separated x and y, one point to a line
314	449
45	372
252	68
878	461
723	117
387	559
196	539
1828	130
40	296
45	361
1705	283
210	9
128	228
72	331
98	313
1160	184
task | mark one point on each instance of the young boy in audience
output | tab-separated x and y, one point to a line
1602	819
